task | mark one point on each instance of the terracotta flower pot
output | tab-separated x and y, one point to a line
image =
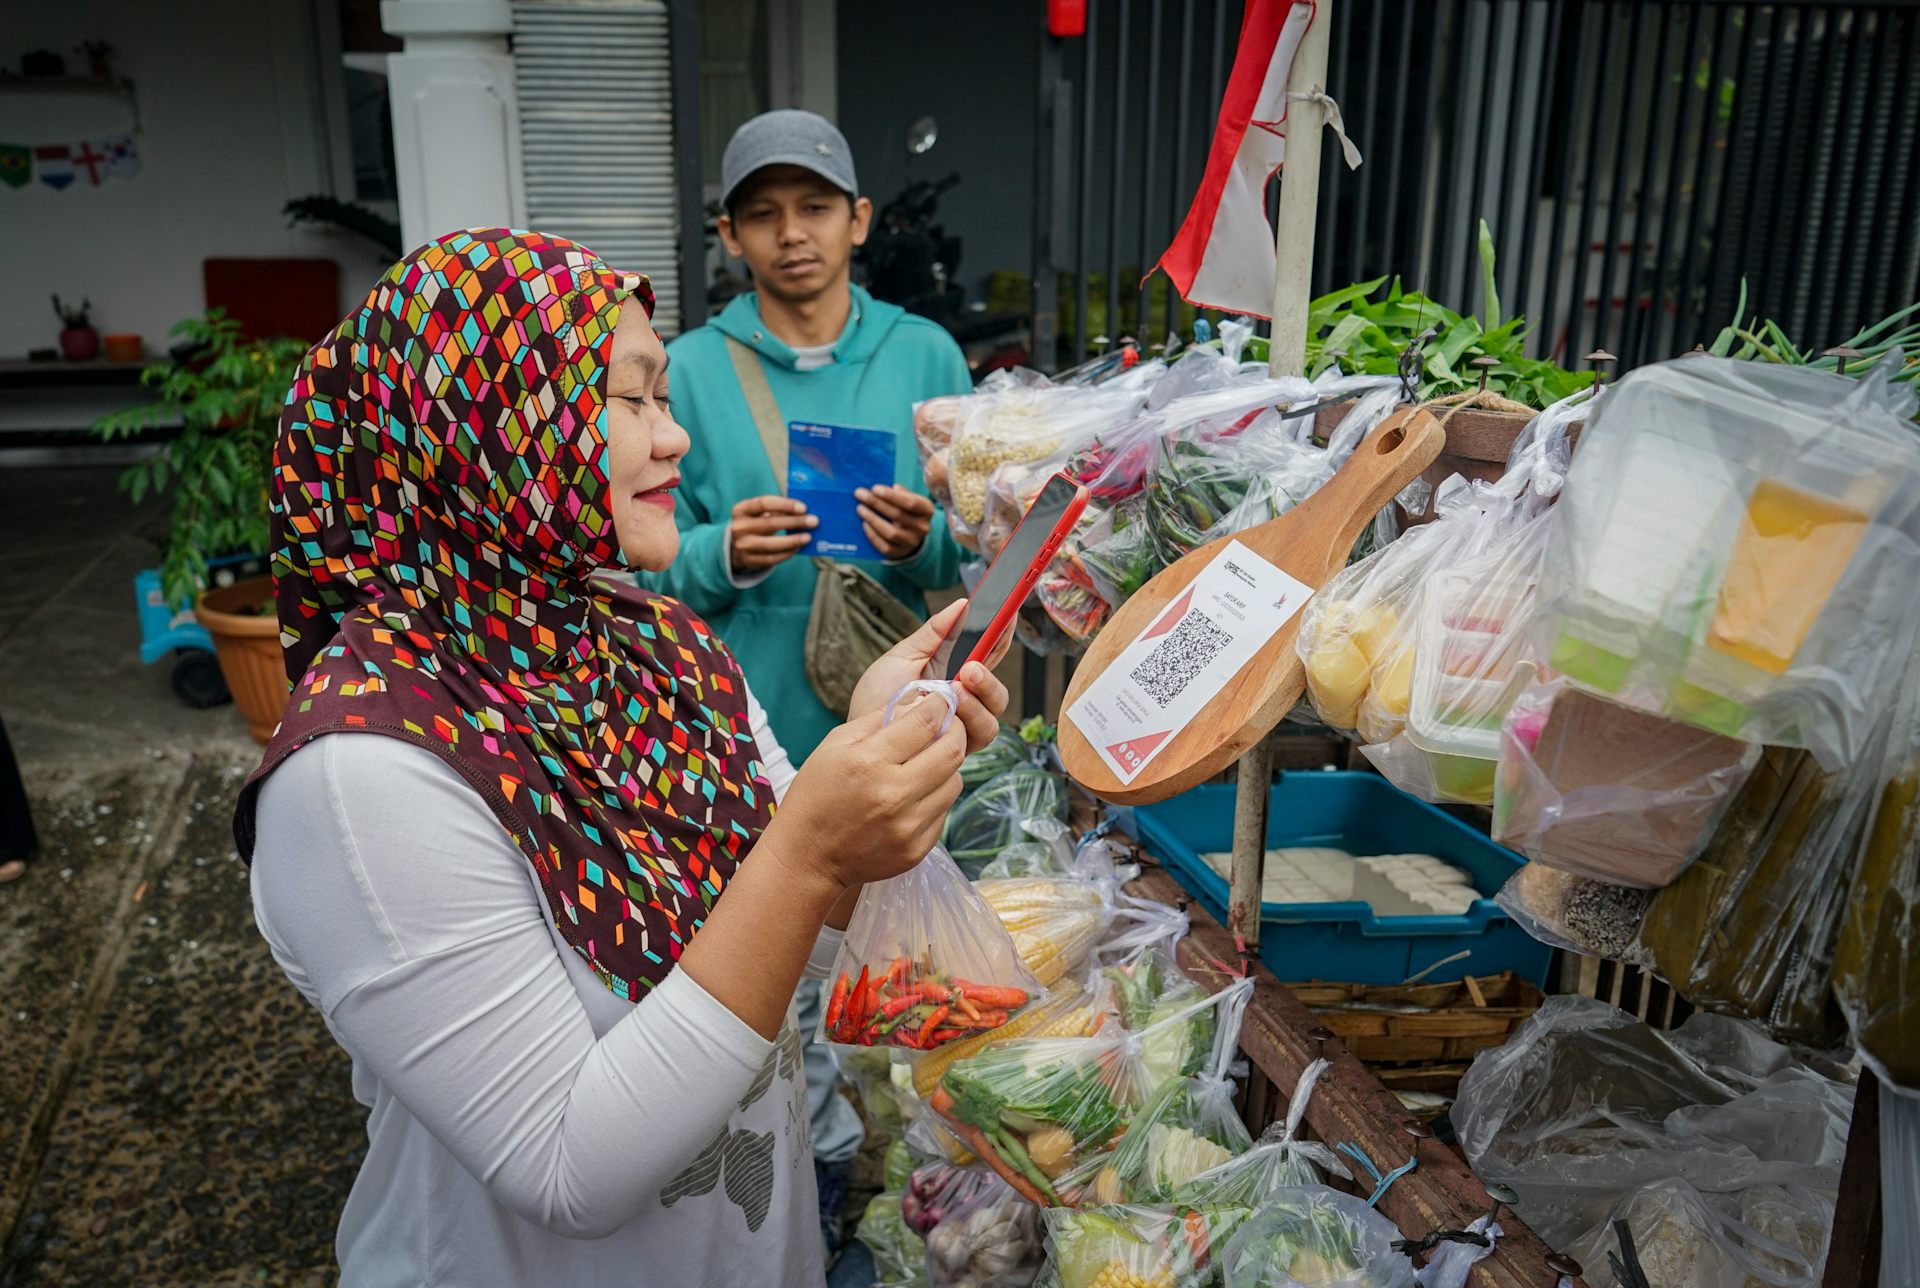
80	344
246	640
125	348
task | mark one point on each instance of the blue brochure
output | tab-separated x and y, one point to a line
825	463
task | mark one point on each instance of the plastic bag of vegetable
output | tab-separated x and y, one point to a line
1034	1110
925	962
1139	1246
1008	750
1055	921
1021	425
990	1240
1187	1129
1314	1237
1049	853
1147	983
885	1087
1682	1240
936	1190
899	1254
990	820
1279	1160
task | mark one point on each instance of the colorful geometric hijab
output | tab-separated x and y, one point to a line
439	499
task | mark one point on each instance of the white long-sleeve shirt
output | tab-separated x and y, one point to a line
526	1126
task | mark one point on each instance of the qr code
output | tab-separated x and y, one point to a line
1165	673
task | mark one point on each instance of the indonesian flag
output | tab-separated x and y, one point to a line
1222	257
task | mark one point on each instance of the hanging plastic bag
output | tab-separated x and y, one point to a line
1586	1104
1048	852
1279	1160
991	1239
1472	657
925	960
938	1190
1113	1247
1609	792
1739	540
1035	1110
1022	425
994	817
1188	1128
1112	549
1055	921
1876	961
1363	635
1315	1238
885	1086
1578	914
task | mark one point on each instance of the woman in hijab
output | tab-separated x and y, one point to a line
549	910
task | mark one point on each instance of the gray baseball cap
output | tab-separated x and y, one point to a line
787	137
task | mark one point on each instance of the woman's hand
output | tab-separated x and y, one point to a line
983	699
871	799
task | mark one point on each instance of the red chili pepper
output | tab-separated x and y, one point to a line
993	995
933	1022
893	1006
898	971
837	1003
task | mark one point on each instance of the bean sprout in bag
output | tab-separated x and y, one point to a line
926	960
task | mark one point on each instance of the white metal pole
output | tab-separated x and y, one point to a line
1286	356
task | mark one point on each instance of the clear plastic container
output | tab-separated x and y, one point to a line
1737	544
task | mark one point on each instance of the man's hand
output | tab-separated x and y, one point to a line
766	531
896	519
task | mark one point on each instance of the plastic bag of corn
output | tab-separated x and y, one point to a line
1055	922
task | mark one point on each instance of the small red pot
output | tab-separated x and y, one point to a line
80	344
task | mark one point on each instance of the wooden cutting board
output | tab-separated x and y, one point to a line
1310	542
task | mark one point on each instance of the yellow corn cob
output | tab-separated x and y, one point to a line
1054	923
1070	1013
1116	1275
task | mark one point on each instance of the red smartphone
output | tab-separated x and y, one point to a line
1010	579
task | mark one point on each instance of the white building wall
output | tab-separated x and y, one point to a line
234	123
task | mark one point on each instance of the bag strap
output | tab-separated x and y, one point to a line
766	411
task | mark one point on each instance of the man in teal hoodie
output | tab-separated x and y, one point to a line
830	354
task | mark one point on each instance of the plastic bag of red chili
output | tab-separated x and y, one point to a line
926	961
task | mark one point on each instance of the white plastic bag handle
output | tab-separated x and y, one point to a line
944	689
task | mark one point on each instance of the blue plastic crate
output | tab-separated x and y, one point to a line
1361	814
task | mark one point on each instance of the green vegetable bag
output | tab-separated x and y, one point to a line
988	821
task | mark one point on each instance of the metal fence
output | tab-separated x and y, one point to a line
1637	162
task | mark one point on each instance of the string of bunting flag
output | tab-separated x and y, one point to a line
88	163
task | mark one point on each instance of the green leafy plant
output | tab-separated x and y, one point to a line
1366	335
74	319
1762	340
226	396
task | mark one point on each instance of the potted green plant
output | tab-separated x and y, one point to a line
79	342
225	393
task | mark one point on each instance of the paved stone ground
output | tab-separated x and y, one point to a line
173	1113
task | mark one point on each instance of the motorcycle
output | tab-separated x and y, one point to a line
910	260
